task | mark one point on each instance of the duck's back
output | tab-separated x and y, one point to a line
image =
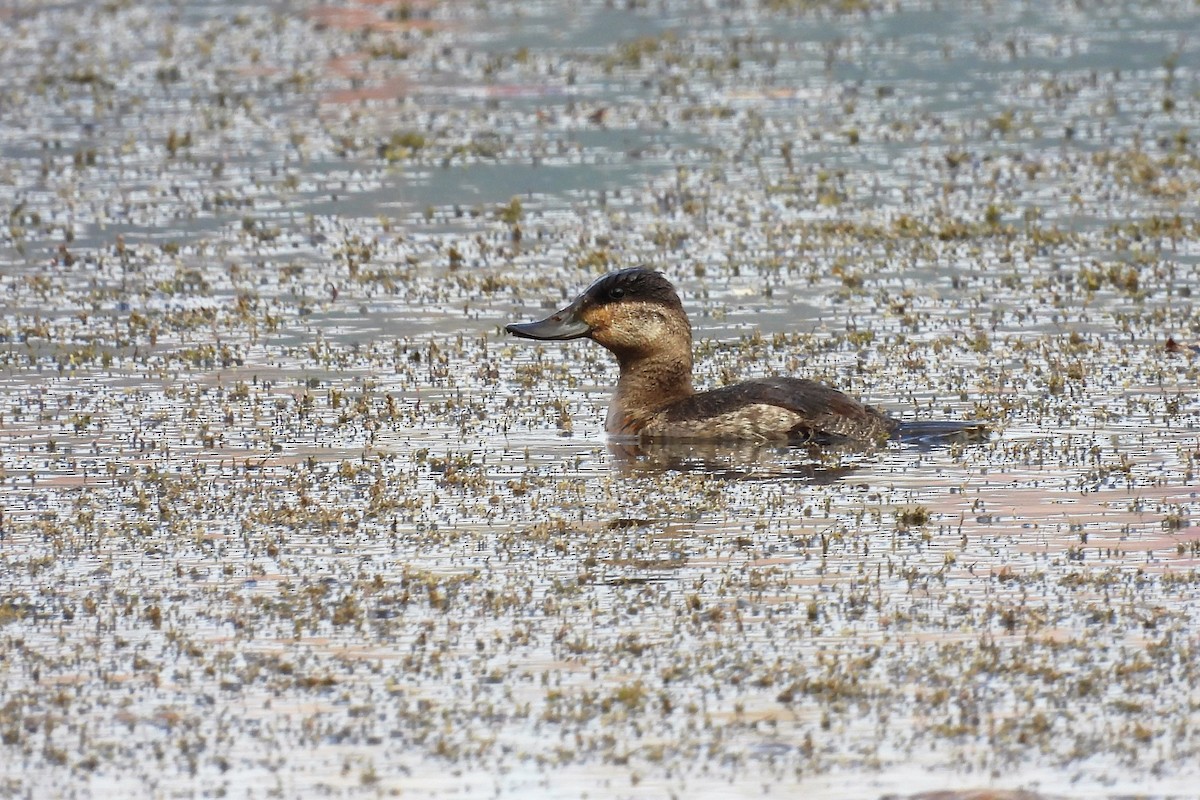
776	409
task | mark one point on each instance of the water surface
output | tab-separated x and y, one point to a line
284	512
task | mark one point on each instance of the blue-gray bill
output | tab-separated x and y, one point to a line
559	326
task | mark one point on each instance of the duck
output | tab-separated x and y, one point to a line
637	315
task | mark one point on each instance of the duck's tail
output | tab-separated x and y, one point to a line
941	431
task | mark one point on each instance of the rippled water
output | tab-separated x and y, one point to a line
284	511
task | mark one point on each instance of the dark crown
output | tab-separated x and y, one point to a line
636	283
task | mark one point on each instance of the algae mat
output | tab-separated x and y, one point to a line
284	512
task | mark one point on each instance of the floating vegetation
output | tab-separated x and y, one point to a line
281	509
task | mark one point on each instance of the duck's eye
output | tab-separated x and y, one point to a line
616	293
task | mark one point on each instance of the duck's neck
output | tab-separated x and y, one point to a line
646	385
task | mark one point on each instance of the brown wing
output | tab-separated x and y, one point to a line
822	413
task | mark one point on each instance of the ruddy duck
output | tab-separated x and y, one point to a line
637	315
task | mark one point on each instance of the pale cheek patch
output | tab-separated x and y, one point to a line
635	328
599	319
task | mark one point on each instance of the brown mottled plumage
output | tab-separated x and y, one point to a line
636	314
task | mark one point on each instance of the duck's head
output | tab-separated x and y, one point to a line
634	313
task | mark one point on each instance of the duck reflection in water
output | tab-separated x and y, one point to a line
737	460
